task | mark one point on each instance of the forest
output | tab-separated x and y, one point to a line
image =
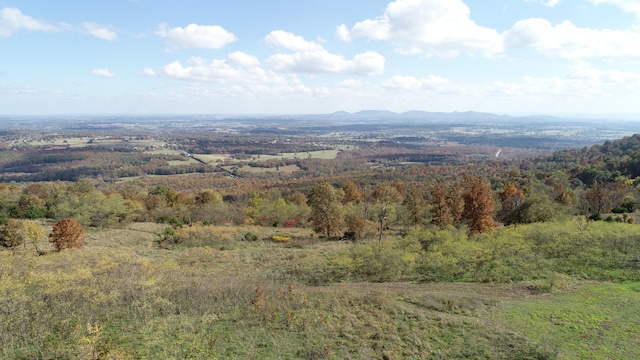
273	245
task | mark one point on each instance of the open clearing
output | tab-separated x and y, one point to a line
321	154
80	142
288	169
124	297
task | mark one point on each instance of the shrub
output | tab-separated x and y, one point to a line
10	234
250	237
278	238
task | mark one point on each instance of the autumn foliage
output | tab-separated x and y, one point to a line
67	233
479	205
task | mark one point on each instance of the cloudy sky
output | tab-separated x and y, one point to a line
319	56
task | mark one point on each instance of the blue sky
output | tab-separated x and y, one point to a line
555	57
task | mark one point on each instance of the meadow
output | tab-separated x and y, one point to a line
215	292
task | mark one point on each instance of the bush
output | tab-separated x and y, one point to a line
10	234
278	238
250	237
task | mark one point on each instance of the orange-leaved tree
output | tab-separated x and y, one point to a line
67	233
440	207
479	204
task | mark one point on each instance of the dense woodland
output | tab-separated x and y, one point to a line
382	213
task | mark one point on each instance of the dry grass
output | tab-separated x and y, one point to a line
123	297
288	169
210	158
76	142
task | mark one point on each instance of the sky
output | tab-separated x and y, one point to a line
555	57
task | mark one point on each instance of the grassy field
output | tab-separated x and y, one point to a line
288	169
188	161
322	154
210	158
232	292
77	142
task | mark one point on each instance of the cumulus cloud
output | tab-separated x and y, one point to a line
196	36
103	32
312	58
238	77
240	69
244	59
148	72
629	6
431	27
201	70
103	73
342	32
289	41
13	20
566	40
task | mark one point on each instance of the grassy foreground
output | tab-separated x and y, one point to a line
125	297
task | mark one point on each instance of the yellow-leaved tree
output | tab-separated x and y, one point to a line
32	231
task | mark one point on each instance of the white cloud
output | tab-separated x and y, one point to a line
220	78
289	41
431	27
565	40
342	31
13	20
244	59
312	58
630	6
247	71
196	36
103	73
148	72
200	70
547	3
103	32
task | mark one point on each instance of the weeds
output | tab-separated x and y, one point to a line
251	301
